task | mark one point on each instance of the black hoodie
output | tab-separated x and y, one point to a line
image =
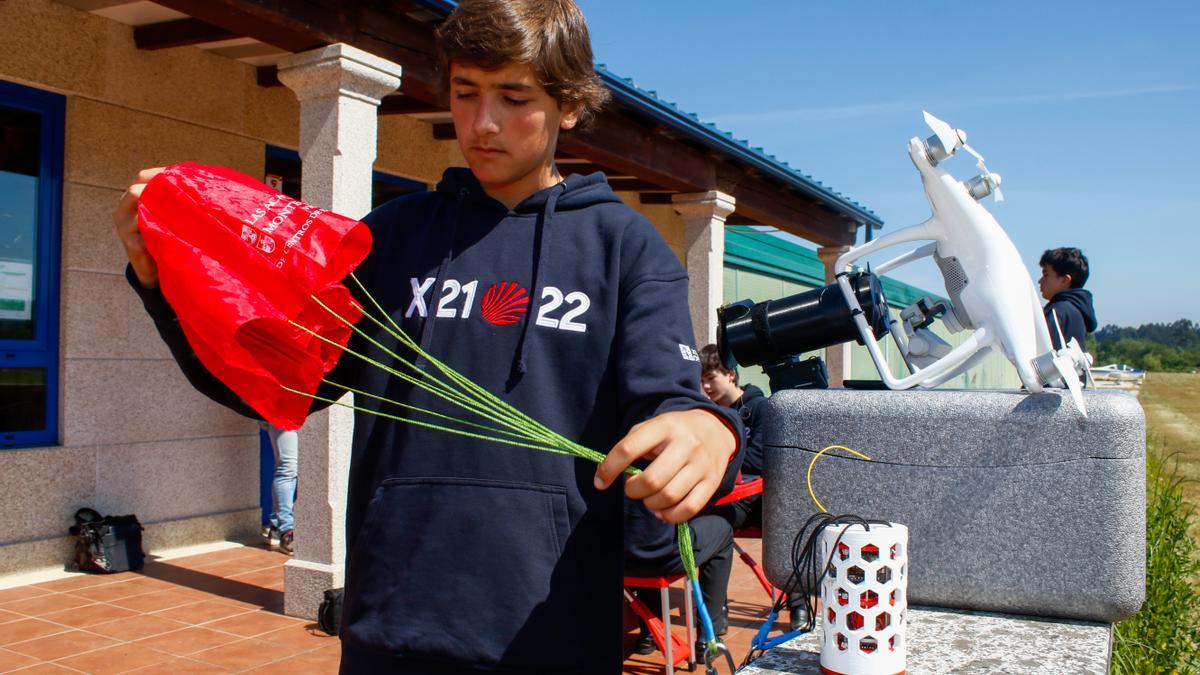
1075	314
750	408
467	555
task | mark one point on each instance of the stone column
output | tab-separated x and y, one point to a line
837	357
339	88
704	215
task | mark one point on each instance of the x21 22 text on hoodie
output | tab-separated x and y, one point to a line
472	556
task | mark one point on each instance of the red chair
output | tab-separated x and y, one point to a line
675	650
741	491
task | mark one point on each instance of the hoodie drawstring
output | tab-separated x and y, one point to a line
539	253
427	325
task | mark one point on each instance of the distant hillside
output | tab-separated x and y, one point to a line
1171	347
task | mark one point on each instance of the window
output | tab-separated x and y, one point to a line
31	160
284	166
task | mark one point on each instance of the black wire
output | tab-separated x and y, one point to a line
808	571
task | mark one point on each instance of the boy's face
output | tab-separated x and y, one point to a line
507	127
719	386
1051	283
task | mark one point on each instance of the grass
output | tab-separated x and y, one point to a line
1164	637
1172	404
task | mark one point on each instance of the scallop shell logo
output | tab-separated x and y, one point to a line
504	303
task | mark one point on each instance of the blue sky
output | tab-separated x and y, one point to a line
1089	111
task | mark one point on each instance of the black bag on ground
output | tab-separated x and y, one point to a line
329	614
107	543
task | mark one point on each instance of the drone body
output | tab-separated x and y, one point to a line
989	288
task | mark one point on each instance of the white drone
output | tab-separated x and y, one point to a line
989	288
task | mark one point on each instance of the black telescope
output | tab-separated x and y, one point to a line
773	332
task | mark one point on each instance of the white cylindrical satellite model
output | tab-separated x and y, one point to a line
864	599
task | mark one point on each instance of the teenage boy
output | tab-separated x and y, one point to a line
721	385
467	556
1064	272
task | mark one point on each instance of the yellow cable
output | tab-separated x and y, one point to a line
814	461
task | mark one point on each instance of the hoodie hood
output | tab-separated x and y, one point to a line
574	192
749	395
1080	299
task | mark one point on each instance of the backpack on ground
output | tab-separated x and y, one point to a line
107	544
329	614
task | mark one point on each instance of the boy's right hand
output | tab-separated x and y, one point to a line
125	218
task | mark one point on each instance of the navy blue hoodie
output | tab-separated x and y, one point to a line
1075	314
473	556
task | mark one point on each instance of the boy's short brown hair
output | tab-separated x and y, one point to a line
710	360
549	36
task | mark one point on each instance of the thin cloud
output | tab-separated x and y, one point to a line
860	110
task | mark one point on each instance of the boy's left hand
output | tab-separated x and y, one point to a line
690	451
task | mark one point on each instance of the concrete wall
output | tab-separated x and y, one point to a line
135	437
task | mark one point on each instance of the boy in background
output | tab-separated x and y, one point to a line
466	556
1064	272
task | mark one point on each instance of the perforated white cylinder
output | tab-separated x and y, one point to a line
864	599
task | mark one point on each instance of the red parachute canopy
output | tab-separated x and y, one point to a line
238	261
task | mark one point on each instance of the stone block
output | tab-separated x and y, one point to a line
176	479
103	318
50	45
131	401
40	490
89	238
106	145
1014	502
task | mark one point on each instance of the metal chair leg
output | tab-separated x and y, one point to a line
665	599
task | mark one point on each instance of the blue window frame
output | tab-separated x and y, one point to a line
31	170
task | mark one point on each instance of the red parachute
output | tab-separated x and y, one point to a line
238	262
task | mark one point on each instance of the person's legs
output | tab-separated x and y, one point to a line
286	447
712	539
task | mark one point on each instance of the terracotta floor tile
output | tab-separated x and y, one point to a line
202	612
28	629
137	627
153	602
12	660
78	617
255	598
182	666
226	570
309	664
298	638
61	645
76	582
264	578
192	561
46	604
188	641
6	616
110	592
240	655
47	669
20	593
254	623
120	658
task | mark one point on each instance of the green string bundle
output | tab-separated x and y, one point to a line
503	423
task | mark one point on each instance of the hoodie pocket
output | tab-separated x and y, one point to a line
456	568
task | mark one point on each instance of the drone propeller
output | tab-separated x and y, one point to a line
948	136
1066	361
993	179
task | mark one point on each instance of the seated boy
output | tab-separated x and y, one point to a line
468	556
721	385
1064	272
